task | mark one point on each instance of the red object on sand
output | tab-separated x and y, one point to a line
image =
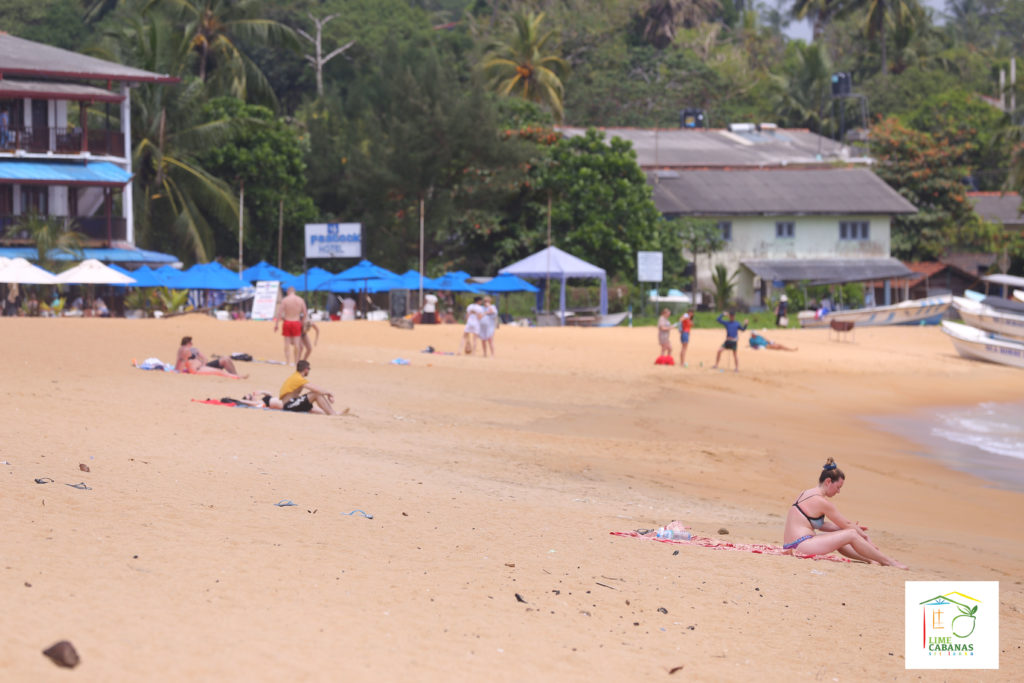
665	360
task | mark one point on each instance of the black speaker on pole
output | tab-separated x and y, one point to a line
840	84
691	118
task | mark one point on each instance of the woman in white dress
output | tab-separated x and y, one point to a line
488	324
471	332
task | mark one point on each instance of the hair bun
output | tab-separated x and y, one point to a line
829	467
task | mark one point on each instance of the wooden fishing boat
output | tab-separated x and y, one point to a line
970	342
1002	322
927	311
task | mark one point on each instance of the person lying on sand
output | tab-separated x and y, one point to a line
265	399
806	518
759	342
191	360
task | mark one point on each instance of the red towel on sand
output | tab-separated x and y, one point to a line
706	542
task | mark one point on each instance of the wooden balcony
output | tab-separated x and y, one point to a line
95	229
62	141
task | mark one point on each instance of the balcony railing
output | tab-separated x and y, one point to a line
62	141
93	228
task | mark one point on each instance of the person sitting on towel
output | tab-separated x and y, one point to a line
314	399
191	360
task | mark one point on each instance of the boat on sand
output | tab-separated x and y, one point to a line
927	311
970	342
999	321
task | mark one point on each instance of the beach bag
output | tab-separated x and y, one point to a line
783	321
241	356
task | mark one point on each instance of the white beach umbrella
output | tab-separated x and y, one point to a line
92	272
20	271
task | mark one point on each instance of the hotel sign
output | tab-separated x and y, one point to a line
334	240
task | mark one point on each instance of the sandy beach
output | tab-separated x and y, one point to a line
486	479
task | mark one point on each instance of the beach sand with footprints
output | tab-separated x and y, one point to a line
493	486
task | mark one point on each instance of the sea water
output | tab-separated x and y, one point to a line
985	440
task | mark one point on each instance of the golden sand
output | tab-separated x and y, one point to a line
486	478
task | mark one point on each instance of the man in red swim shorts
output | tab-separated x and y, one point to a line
292	311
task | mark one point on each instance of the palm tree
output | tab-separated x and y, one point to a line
879	14
522	67
803	96
725	286
174	196
217	28
663	17
48	235
821	12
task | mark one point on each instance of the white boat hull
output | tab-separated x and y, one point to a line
990	319
913	312
976	344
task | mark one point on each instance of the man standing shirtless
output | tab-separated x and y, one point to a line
291	310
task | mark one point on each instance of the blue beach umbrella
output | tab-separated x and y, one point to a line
207	276
144	276
264	271
357	277
454	282
308	281
507	283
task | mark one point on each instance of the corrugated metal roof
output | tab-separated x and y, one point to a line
49	90
29	58
788	192
703	148
827	271
1001	207
64	173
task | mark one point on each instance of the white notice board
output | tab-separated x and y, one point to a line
334	240
648	266
264	304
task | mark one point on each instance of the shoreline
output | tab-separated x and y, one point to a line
486	479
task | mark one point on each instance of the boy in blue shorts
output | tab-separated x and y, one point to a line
732	336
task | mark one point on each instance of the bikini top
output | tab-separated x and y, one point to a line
816	522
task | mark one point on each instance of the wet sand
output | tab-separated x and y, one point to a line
486	478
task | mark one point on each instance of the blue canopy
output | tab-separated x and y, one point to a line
107	255
207	276
410	279
65	172
507	283
454	282
357	278
315	277
144	277
264	271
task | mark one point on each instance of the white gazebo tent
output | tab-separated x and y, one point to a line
556	264
92	272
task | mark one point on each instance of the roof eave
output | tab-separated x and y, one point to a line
135	78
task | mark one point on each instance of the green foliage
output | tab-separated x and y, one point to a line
268	156
49	235
698	236
171	300
929	172
54	22
524	66
725	286
602	208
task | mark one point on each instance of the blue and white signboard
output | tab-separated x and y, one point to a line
334	240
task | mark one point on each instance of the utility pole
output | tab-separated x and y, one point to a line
241	204
318	60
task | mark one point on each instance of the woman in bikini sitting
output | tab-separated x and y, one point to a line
807	516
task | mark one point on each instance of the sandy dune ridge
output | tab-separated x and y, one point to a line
486	478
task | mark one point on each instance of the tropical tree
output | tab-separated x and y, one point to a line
803	99
174	197
821	12
698	236
725	286
217	30
663	18
49	235
879	15
523	67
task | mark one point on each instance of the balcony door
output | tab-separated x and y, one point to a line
35	199
40	126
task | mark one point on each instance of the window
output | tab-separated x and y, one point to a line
784	230
726	228
35	199
854	230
